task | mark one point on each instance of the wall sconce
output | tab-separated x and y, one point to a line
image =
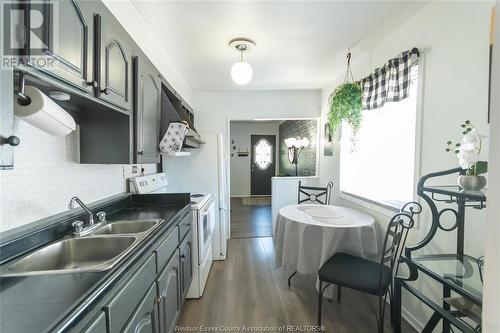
295	147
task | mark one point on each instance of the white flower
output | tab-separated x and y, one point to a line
467	158
471	140
472	137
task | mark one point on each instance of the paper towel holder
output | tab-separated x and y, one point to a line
22	99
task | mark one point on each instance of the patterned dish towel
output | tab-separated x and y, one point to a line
173	138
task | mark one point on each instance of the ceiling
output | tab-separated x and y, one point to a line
300	44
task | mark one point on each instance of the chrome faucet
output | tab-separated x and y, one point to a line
84	207
78	226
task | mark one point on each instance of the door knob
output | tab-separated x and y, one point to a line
105	91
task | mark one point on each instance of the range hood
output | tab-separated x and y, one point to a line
174	109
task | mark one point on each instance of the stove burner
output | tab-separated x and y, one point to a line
197	195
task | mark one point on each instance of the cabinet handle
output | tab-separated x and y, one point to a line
158	300
140	152
188	224
183	256
105	91
12	140
92	83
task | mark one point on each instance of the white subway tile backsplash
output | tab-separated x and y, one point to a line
46	175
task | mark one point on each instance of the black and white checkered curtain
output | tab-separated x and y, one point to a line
390	83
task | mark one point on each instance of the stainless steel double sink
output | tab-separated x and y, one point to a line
96	252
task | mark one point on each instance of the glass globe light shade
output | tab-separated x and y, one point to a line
290	142
241	72
305	142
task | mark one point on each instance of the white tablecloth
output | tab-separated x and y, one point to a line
307	235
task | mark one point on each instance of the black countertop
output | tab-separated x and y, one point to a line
55	302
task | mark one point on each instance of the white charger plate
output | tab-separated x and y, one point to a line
343	220
321	212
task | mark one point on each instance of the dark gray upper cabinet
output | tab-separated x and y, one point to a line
169	295
68	41
144	320
147	111
186	265
6	120
115	62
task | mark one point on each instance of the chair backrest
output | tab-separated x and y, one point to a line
396	235
315	194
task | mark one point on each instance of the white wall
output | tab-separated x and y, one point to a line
454	39
491	302
241	132
134	24
215	109
46	176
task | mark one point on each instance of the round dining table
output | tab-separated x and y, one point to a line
307	235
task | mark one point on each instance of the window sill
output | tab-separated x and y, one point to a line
386	209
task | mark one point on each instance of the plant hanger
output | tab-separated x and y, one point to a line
348	72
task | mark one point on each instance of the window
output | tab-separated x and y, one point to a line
379	163
263	154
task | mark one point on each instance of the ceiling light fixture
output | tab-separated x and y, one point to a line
242	72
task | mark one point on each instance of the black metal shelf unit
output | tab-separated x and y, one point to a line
457	272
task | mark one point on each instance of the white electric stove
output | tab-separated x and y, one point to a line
203	210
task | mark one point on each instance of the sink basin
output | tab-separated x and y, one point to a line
127	227
73	255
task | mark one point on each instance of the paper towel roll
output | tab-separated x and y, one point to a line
44	113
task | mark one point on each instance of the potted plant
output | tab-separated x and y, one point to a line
345	104
467	151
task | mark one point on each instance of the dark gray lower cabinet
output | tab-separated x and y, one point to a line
186	266
151	298
144	320
98	325
169	295
123	304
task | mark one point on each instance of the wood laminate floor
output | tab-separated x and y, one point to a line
248	221
246	290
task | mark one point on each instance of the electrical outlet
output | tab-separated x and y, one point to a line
131	170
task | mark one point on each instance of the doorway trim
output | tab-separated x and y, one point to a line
227	133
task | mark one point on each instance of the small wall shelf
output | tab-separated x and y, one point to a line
177	153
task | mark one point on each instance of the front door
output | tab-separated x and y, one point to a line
262	163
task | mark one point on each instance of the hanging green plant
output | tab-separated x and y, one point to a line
346	103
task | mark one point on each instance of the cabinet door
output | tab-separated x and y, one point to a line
145	320
66	41
186	266
169	295
7	120
115	63
98	325
147	112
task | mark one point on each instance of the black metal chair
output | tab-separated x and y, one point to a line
370	277
315	194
